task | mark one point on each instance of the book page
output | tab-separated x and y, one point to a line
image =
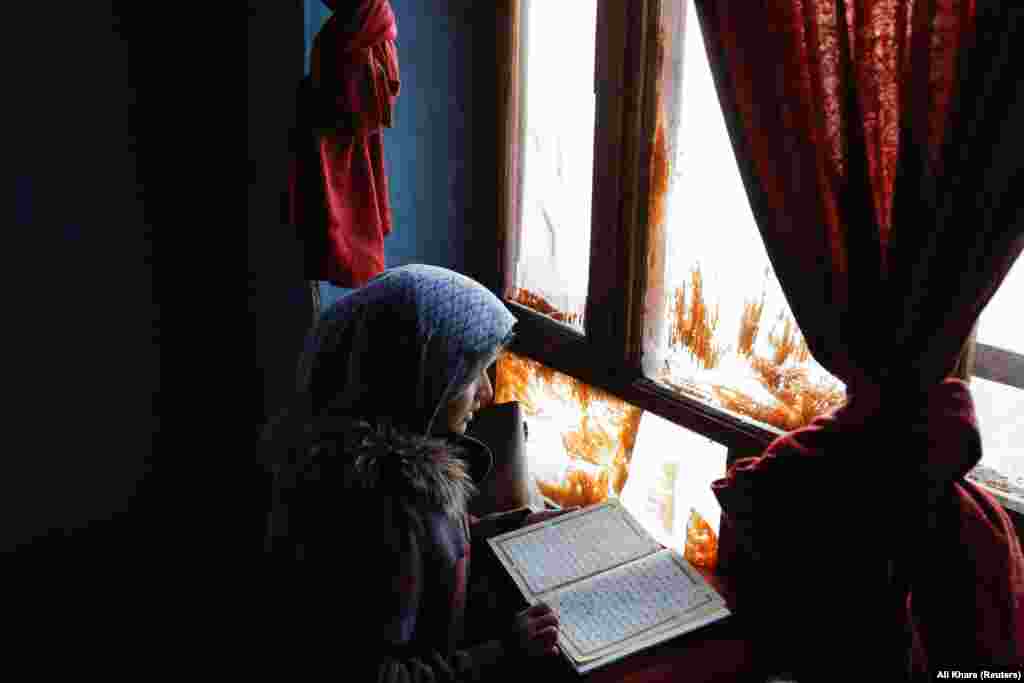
617	608
571	547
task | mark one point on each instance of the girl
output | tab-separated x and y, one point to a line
373	475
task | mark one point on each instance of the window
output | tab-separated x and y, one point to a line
700	333
557	157
580	438
609	160
998	391
575	143
585	445
729	336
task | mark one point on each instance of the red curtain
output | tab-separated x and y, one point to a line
338	187
878	141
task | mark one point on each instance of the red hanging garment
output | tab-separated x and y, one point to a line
338	191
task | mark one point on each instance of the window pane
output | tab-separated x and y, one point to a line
999	409
999	324
671	473
580	439
584	446
727	335
557	157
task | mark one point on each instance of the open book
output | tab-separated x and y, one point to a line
614	588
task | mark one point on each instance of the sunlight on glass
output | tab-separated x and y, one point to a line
580	441
585	446
999	324
671	475
999	408
731	339
558	156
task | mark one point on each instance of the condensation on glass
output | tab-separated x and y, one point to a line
557	157
580	438
719	328
999	324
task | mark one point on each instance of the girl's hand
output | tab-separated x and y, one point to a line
535	632
544	515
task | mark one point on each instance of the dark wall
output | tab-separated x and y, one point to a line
80	325
280	301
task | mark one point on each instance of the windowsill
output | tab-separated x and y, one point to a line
562	348
565	349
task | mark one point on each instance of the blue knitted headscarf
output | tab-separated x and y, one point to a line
399	348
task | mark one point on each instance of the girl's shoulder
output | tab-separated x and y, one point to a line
372	460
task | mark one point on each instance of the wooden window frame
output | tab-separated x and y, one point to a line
608	355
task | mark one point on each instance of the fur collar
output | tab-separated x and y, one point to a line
441	472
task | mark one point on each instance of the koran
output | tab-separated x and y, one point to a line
615	589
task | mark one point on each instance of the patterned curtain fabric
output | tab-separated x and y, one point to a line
338	189
878	141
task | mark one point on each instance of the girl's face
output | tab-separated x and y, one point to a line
462	407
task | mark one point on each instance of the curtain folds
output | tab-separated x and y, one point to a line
878	141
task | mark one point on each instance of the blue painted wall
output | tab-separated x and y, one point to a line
314	14
440	184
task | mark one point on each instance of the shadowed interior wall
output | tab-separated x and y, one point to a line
81	329
280	301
